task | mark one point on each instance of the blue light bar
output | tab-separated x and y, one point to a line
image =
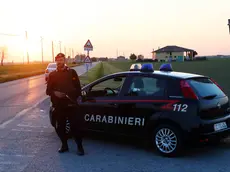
166	67
135	67
148	67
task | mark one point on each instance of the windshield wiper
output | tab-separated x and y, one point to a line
209	96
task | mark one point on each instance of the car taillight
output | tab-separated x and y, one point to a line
216	84
187	90
47	71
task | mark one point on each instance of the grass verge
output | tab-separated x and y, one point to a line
218	69
93	74
19	71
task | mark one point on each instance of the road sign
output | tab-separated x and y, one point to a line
88	46
87	60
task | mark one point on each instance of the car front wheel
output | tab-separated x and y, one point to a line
168	140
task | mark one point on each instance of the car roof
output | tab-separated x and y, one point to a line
179	75
51	64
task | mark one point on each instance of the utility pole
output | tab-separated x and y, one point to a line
229	25
53	50
28	60
65	50
42	48
73	53
60	45
70	52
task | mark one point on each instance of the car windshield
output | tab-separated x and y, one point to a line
205	88
52	65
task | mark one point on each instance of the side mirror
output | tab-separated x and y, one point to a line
83	93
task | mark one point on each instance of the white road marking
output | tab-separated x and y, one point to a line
17	155
32	126
15	129
22	113
9	163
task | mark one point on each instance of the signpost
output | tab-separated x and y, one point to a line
87	61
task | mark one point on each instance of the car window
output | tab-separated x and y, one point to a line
52	65
174	89
109	87
146	86
205	87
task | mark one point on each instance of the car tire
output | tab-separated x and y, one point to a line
168	140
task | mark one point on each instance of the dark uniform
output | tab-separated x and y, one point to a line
66	81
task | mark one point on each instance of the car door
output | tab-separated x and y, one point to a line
99	104
143	96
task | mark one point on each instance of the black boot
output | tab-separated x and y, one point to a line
80	150
64	148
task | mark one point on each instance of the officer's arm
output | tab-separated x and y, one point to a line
77	83
49	88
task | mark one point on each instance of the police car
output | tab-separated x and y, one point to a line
170	108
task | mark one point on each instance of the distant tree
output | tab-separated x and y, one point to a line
133	57
140	56
94	59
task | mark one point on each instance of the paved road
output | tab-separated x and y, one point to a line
29	144
21	94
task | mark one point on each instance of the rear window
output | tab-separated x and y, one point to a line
53	65
204	87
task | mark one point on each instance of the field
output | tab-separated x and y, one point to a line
13	72
215	68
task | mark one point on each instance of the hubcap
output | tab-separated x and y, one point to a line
166	140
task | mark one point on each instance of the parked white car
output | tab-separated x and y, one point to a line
51	67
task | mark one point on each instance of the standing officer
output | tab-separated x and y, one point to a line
64	88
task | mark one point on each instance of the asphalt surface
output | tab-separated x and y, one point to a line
18	95
28	143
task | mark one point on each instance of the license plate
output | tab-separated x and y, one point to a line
220	126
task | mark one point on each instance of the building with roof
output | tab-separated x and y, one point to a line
174	53
121	58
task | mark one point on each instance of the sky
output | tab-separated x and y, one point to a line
123	26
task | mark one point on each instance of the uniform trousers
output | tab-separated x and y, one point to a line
74	117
